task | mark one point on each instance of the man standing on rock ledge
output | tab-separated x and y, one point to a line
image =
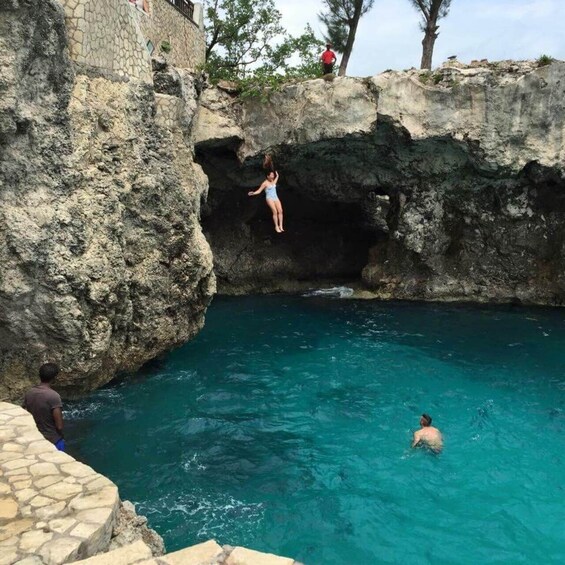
328	59
45	405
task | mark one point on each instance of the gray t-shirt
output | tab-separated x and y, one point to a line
40	401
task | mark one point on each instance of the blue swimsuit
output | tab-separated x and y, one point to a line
271	192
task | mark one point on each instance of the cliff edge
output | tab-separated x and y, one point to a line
103	264
438	186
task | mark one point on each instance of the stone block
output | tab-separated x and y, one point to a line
12	447
32	560
15	528
42	469
25	494
60	550
8	456
107	496
42	446
200	554
46	481
62	491
7	434
13	479
8	508
98	483
77	469
8	557
25	420
29	437
51	511
126	555
61	525
56	457
86	531
31	541
95	515
39	501
243	556
16	464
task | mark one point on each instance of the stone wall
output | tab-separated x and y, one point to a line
186	37
112	35
53	509
105	34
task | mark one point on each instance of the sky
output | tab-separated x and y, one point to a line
389	36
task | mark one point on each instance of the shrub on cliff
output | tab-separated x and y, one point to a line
544	60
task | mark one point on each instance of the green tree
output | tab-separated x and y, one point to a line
245	42
432	11
341	19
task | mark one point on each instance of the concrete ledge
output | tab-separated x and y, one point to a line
127	555
53	509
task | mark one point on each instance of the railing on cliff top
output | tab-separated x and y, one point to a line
185	7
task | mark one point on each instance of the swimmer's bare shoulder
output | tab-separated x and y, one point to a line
428	435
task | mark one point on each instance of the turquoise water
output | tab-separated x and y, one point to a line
285	427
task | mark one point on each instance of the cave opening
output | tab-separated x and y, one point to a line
325	242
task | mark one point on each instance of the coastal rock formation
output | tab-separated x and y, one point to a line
103	264
437	186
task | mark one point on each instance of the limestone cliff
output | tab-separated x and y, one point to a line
444	186
103	264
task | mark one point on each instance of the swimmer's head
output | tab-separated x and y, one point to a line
426	420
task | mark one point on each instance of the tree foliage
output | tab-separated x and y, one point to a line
432	11
246	43
341	18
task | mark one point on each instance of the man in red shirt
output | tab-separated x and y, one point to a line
328	59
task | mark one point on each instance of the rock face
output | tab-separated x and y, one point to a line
103	264
444	186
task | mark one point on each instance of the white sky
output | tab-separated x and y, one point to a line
389	36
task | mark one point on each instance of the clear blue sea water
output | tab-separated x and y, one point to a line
285	426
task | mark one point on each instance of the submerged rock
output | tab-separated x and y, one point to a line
103	264
440	186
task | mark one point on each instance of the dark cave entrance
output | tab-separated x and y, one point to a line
325	242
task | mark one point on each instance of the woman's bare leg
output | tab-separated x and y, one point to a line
278	206
272	206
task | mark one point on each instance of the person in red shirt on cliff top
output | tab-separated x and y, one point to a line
328	59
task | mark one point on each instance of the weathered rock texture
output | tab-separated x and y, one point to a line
445	186
103	264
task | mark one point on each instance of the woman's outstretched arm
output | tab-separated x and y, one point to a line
258	191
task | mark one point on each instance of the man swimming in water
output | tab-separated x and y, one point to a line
428	436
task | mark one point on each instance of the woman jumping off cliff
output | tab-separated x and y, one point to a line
270	187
